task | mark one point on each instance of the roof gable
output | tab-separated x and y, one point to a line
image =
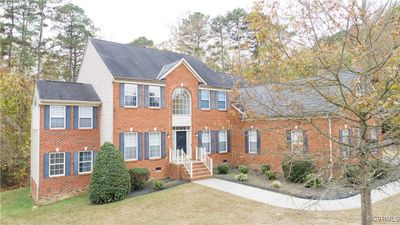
167	69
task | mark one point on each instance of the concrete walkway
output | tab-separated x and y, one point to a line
285	201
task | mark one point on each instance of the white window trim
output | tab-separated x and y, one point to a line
79	119
346	154
209	140
91	163
291	139
226	141
137	147
255	131
209	99
58	175
131	106
221	101
159	97
159	141
57	128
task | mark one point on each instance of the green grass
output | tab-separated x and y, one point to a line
15	202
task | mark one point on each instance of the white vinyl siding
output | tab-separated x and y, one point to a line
57	164
85	117
57	117
85	162
253	141
222	141
205	141
131	146
130	98
93	71
155	145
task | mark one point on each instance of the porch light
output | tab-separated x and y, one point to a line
155	128
206	128
57	149
295	127
251	127
85	148
181	84
130	129
345	126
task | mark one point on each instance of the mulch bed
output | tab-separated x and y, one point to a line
168	183
329	191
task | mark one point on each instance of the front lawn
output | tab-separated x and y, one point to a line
184	204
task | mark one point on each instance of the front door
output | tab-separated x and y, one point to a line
181	140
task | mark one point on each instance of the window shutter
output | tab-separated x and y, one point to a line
289	138
213	100
212	141
68	164
67	117
46	116
199	99
140	146
217	141
305	142
122	144
94	157
146	145
258	142
246	141
146	96
76	163
199	138
228	101
139	96
95	117
162	94
46	165
121	94
76	116
163	153
341	141
228	137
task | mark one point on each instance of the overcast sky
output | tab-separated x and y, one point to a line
123	21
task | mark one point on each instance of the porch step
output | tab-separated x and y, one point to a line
200	171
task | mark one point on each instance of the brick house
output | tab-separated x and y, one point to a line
165	111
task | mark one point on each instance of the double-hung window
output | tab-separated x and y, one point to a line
131	146
57	117
85	117
222	141
154	96
297	141
253	141
206	140
155	145
373	139
204	99
57	164
346	140
221	100
85	162
130	97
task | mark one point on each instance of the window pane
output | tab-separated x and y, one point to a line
181	102
205	95
130	153
85	161
130	100
154	102
155	151
221	105
56	163
154	142
205	140
221	96
85	122
253	146
205	104
57	122
85	112
57	111
130	89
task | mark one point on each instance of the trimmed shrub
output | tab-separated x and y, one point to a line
265	168
276	184
110	179
223	168
243	169
352	173
158	184
295	169
139	177
381	169
313	181
271	175
241	177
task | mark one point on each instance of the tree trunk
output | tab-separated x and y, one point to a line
366	206
39	46
11	35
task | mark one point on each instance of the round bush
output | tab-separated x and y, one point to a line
158	184
271	175
223	168
110	179
241	177
243	169
139	177
313	181
296	169
276	184
265	168
352	173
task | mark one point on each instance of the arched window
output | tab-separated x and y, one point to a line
181	102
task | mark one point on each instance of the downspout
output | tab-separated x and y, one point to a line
330	148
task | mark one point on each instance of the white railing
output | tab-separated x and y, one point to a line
175	156
186	162
201	154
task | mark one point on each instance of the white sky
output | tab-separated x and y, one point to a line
124	20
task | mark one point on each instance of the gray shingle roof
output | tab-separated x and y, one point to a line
58	90
129	61
299	99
